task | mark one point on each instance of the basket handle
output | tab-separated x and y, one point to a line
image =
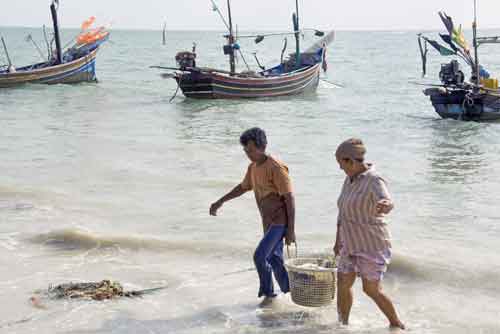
296	250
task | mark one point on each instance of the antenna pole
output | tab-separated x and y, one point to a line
474	32
6	52
53	11
296	28
231	39
164	35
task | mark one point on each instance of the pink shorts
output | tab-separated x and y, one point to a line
370	266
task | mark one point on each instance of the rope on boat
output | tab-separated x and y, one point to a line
332	83
2	59
177	89
28	39
49	50
243	58
468	103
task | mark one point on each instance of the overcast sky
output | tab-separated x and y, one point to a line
254	14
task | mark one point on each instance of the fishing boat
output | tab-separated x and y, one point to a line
476	99
297	74
76	64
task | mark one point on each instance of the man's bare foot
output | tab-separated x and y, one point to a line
267	301
398	324
35	301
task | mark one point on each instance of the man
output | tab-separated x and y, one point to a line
269	180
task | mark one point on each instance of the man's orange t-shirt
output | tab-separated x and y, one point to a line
269	181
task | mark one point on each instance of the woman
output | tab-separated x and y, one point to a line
363	240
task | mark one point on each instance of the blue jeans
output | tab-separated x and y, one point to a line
268	257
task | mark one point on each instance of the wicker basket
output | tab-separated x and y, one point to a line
312	287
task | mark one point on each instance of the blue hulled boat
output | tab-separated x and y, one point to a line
297	74
476	99
74	65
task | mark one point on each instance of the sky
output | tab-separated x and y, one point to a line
253	14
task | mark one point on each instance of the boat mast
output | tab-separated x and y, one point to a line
53	11
474	31
296	29
231	39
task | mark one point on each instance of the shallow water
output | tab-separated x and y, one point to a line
110	181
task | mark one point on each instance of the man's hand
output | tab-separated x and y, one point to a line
214	207
289	238
236	192
384	206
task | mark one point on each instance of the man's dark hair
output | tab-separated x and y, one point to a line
257	135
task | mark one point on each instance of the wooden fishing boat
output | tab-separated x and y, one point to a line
76	64
295	75
210	83
477	99
81	69
465	104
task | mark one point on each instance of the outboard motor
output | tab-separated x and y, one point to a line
451	74
185	59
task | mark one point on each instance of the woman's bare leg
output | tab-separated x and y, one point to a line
345	296
374	290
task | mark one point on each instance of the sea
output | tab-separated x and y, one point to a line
113	180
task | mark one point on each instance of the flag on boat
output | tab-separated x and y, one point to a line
447	21
443	50
89	35
458	37
447	40
87	23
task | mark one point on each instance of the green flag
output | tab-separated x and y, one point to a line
458	37
443	50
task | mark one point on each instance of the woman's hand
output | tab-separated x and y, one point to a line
214	207
384	206
336	248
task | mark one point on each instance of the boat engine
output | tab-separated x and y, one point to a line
451	74
185	59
